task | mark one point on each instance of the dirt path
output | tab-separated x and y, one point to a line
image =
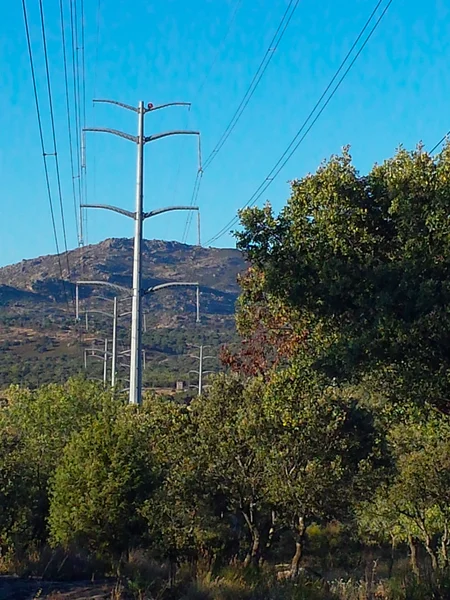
13	588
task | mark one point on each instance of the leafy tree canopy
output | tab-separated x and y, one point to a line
360	266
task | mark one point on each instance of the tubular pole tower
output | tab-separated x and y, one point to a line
201	372
139	216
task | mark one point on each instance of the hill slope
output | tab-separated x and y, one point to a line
39	340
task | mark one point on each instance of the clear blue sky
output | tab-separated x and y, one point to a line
398	92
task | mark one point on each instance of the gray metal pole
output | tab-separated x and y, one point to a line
200	370
105	362
114	344
77	300
136	317
198	304
87	321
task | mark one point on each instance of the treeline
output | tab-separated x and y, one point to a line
251	474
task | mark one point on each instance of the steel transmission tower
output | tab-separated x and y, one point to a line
139	216
201	372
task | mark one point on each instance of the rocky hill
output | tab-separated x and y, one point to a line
112	260
37	325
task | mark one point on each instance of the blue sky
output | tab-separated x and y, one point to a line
397	93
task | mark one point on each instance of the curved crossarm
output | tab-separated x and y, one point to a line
111	285
122	211
159	211
166	105
169	284
127	136
135	109
100	312
108	299
198	345
115	286
158	136
202	358
125	314
96	356
121	104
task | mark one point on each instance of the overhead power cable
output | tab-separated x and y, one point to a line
305	129
83	113
53	128
76	104
443	138
193	201
197	182
76	201
44	153
274	43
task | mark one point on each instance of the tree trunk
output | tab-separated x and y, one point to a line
444	549
413	557
391	557
253	555
299	536
431	553
269	538
254	550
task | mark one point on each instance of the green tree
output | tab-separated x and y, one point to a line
414	506
322	452
229	430
106	474
362	266
182	515
18	498
35	426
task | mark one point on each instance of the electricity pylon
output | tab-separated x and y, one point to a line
92	352
139	216
201	357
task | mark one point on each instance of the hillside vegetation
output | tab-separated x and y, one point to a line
40	341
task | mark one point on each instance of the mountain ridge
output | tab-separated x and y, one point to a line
111	261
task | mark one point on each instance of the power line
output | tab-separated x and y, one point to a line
443	138
195	193
75	84
197	182
83	111
294	144
52	121
276	39
282	26
44	154
69	121
95	71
